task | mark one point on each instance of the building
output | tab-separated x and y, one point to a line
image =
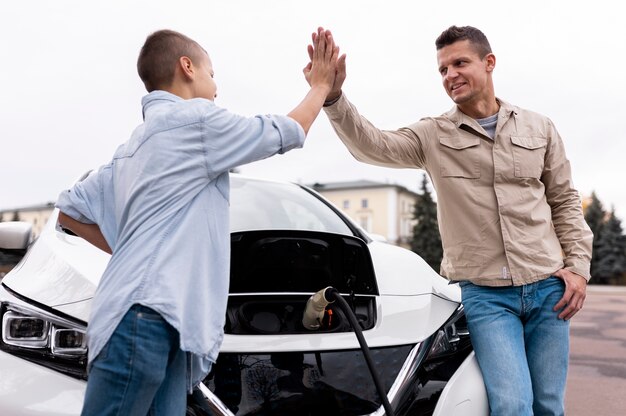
37	215
379	208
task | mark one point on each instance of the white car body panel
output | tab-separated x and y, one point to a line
28	389
59	269
402	272
465	393
403	320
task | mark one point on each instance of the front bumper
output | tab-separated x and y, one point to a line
28	389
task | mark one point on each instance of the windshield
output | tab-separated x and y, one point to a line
261	205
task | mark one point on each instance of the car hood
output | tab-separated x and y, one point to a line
402	272
62	272
59	271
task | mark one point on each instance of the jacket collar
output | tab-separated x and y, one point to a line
458	117
463	121
156	97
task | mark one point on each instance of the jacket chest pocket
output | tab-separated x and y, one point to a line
459	157
528	156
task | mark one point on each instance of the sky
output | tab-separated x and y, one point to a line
71	93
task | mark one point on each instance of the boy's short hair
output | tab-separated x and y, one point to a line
454	34
160	53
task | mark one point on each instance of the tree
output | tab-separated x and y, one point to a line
595	214
16	216
595	217
426	239
610	263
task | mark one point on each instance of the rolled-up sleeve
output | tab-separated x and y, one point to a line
231	140
84	201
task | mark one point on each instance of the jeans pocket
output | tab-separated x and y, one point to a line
147	314
104	352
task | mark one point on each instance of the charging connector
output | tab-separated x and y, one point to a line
314	310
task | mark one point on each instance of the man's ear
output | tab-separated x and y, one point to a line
490	60
186	67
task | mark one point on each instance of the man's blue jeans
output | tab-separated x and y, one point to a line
140	371
521	346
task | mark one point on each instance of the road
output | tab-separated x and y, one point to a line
596	385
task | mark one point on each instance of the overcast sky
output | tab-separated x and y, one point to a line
71	94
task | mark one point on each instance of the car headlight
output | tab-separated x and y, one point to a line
44	338
450	338
430	366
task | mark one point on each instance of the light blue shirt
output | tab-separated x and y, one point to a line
162	206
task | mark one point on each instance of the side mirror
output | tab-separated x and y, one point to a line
15	235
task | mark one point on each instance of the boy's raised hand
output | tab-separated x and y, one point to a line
340	61
322	68
320	73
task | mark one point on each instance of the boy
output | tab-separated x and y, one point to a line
161	208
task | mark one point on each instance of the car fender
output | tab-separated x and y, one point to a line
28	389
465	393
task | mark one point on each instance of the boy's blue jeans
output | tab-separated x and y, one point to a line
521	346
140	371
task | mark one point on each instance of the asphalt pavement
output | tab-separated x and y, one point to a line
596	383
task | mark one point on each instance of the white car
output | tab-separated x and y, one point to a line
287	244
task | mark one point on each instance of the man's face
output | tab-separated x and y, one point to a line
205	84
466	77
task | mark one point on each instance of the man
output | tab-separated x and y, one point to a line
161	208
512	227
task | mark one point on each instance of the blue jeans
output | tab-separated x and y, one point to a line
140	371
521	346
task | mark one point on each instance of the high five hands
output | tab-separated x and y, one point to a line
322	43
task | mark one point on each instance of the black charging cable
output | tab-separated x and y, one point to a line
332	294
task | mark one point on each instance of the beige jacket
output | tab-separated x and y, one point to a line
508	211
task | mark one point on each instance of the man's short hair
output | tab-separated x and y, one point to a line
454	34
159	55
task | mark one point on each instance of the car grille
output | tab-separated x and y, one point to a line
308	384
